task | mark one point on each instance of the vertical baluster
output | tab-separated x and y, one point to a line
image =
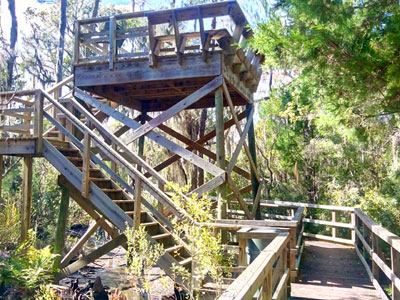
334	219
38	121
86	166
113	49
396	270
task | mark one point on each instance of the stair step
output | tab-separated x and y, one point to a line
174	248
66	149
149	224
99	179
91	169
52	134
112	190
161	236
127	201
133	212
185	261
74	158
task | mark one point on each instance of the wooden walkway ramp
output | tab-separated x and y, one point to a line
332	271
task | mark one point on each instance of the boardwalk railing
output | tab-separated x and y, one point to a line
267	277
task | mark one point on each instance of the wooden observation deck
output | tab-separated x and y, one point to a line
157	58
165	62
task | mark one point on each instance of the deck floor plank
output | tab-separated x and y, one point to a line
331	272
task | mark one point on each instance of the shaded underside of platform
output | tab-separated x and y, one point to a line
332	271
133	83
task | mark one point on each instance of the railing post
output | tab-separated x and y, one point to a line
113	49
38	121
267	286
355	225
396	270
293	252
375	249
334	219
77	42
242	251
138	202
86	166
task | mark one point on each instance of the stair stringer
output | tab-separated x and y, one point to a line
100	201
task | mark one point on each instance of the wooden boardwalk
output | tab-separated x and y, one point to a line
332	271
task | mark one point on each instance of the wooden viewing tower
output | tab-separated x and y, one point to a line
161	63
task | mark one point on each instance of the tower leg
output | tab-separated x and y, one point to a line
220	150
62	224
27	197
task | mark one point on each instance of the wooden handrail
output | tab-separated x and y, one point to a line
260	273
115	156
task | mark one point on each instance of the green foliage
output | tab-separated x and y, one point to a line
205	245
27	266
9	223
45	292
329	130
141	256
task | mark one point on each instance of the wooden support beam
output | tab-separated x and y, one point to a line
257	199
76	43
239	197
59	242
81	242
175	109
86	165
84	261
236	120
194	145
26	197
220	149
171	146
239	145
152	45
203	34
251	153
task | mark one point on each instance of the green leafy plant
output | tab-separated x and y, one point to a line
27	266
208	255
141	257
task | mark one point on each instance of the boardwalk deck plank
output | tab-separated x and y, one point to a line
331	272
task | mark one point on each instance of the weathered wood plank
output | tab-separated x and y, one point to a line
27	197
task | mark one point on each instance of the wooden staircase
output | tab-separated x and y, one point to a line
67	158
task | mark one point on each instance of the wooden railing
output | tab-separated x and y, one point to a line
153	34
267	277
379	251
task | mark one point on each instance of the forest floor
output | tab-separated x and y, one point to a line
113	272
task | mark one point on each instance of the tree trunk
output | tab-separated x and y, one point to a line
63	24
96	8
13	42
133	5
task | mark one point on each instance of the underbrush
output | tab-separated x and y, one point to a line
25	270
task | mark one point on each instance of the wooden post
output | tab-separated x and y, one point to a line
375	249
220	147
292	253
27	197
334	219
38	122
113	49
114	166
138	181
267	286
252	148
137	203
242	252
77	42
86	166
396	270
355	224
61	225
